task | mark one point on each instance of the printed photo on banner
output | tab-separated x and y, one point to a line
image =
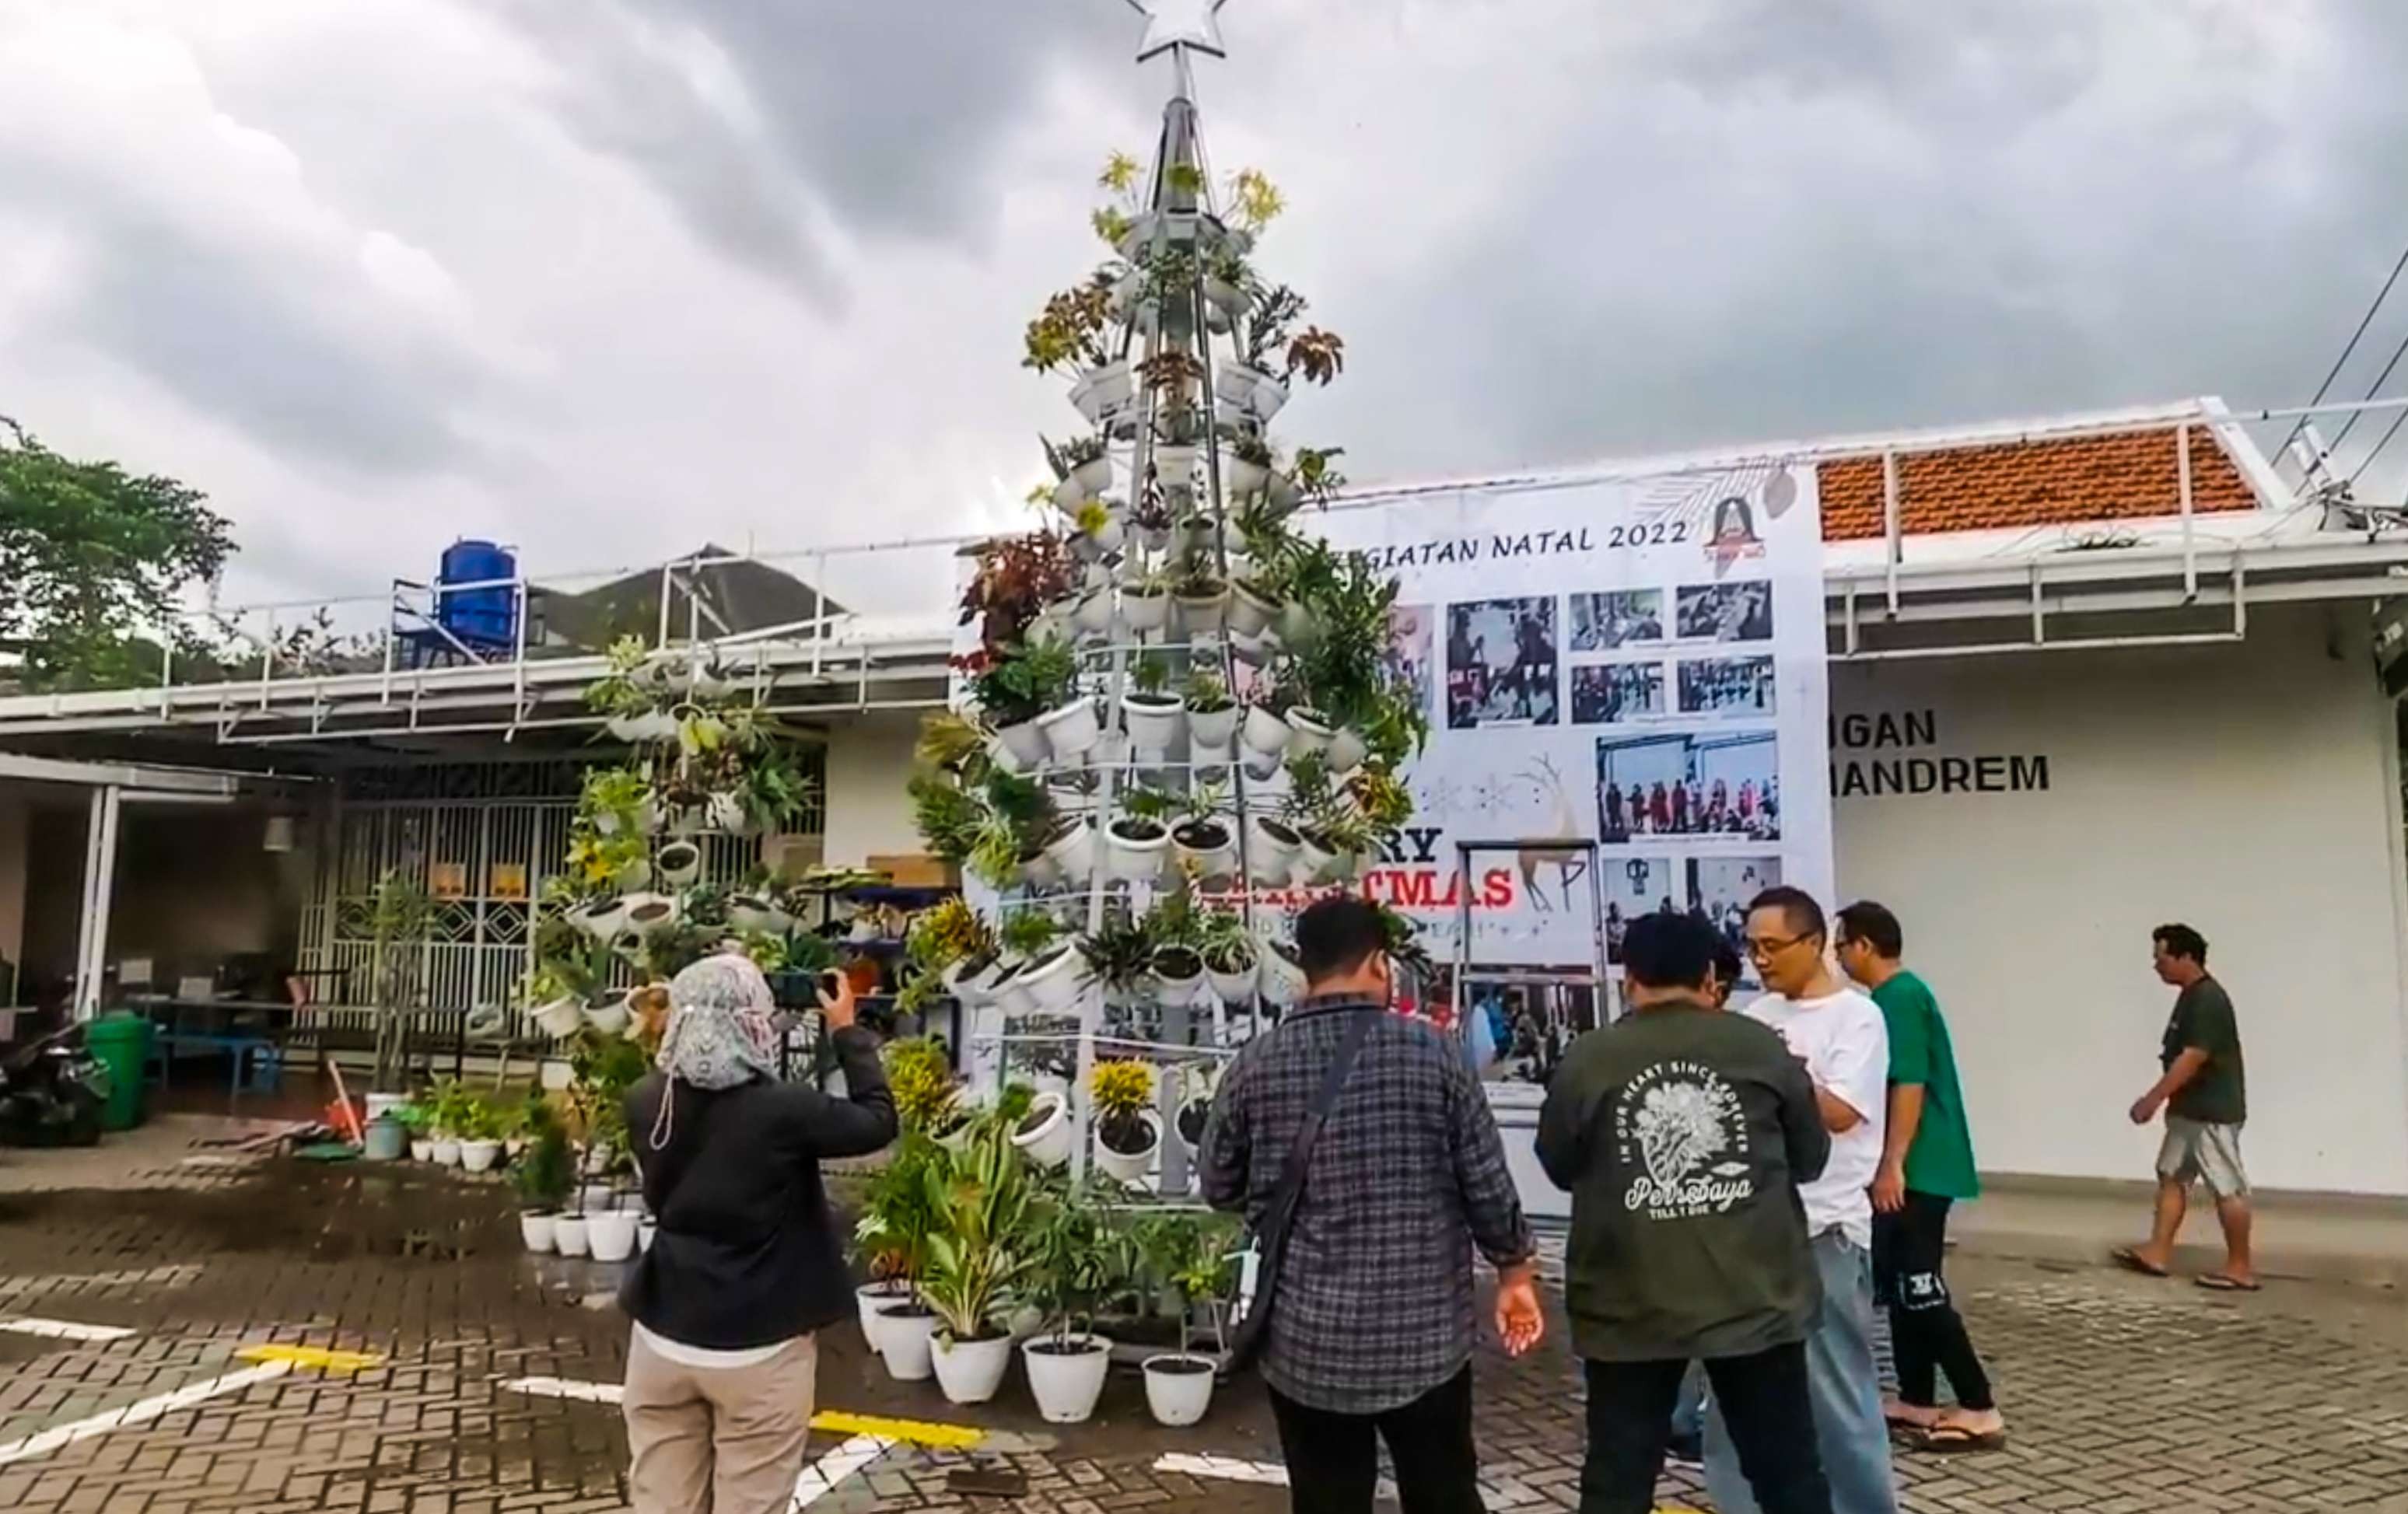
1413	635
1601	623
1701	786
1727	686
1633	886
1719	890
1606	693
1500	663
1738	611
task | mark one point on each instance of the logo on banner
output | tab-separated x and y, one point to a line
1681	1131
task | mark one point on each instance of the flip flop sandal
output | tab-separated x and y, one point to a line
2131	1260
2216	1282
1955	1440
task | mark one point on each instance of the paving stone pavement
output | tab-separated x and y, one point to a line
2126	1396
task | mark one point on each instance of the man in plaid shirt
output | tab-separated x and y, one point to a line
1370	1328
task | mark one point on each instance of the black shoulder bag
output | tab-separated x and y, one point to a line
1250	1330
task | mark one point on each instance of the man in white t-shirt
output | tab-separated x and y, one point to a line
1841	1037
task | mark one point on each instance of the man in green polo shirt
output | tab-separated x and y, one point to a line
1927	1165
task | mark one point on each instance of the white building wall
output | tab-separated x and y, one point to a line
2250	791
868	813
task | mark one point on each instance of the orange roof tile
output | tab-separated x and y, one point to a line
2054	483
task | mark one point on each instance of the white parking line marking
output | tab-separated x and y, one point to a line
148	1410
63	1329
821	1478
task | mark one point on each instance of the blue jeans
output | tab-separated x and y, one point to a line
1689	1414
1846	1389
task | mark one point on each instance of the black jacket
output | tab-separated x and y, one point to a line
1682	1133
747	1254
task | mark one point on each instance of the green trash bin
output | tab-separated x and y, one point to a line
120	1042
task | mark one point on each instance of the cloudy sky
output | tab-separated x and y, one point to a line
608	278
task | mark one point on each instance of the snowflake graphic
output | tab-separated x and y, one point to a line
1680	1129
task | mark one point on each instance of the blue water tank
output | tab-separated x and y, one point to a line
480	617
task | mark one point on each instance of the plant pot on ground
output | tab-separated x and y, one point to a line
1207	848
971	1371
1178	1387
612	1233
1136	846
872	1296
1066	1374
568	1235
906	1332
537	1229
480	1154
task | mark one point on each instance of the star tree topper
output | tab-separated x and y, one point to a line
1179	24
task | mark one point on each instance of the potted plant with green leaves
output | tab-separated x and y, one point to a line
1047	982
480	1132
1151	713
1128	1132
1231	957
1120	959
447	1108
1205	840
1071	1270
418	1121
979	1197
1211	714
1202	593
891	1237
1083	467
1138	838
1145	598
542	1177
1245	464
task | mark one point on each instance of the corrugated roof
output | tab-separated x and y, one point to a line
2060	482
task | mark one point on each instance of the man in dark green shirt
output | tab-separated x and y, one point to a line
1682	1133
2204	1095
1927	1165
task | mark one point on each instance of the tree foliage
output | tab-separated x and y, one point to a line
91	559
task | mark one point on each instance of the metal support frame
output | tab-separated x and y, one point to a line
99	889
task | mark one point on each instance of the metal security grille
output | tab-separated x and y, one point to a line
483	838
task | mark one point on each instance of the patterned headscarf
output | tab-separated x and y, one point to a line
720	1032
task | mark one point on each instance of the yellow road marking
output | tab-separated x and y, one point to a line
916	1432
311	1356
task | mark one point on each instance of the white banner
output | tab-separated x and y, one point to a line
1638	661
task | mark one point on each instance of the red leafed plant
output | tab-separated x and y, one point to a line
1017	577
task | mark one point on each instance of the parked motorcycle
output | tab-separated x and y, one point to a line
53	1092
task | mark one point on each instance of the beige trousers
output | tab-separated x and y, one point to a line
717	1440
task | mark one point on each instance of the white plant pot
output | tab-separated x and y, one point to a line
1074	853
1026	742
569	1235
601	918
1282	980
422	1151
1177	987
1203	615
1234	988
1073	730
559	1017
1135	861
1174	465
1094	616
750	912
1066	1386
1263	733
1069	494
1314	862
536	1231
479	1156
1250	613
1213	731
1178	1397
1008	996
974	989
1307	736
447	1151
1240	476
1224	297
1252	651
725	813
1052	986
1130	1167
1095	475
1268	398
1347	751
1144	613
1048	1144
609	1019
1153	721
646	1229
1039	871
908	1338
1214	862
1101	391
681	863
1297	625
1271	856
613	1236
648	914
971	1371
869	1297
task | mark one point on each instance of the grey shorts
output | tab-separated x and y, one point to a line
2210	1153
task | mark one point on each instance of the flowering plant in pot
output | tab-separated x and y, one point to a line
980	1195
1073	1268
1128	1133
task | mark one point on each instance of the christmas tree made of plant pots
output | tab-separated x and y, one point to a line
1178	723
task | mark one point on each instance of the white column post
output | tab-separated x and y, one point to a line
99	881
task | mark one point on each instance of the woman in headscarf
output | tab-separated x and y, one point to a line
746	1265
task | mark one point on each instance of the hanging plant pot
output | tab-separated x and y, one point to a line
1309	734
1193	1116
1231	969
1135	849
1069	494
1122	301
1283	977
1298	626
1072	730
600	919
1066	1375
971	980
607	1012
1211	730
971	1371
1225	297
1095	475
1025	742
750	912
559	1017
1323	862
1251	610
1009	995
1178	972
1038	870
908	1330
1178	1387
1174	463
725	812
1206	848
1101	391
651	913
1239	380
870	1297
1153	721
1094	616
1241	475
1263	733
1145	610
1051	979
1268	398
681	863
1071	850
1201	613
1044	1134
1347	751
1130	1167
1254	651
1271	846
